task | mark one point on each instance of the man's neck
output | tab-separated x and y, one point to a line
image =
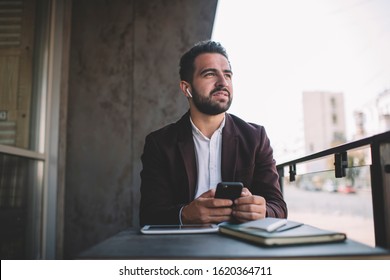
207	124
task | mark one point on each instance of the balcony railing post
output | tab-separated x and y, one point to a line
281	176
340	163
380	184
293	172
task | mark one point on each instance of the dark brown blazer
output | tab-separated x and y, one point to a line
169	174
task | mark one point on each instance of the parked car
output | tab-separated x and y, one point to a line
348	189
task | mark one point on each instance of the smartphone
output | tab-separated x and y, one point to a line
229	190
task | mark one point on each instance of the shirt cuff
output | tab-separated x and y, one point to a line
181	209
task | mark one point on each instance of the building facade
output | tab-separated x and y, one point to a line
324	123
374	116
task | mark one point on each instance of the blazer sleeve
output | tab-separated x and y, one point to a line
159	203
266	179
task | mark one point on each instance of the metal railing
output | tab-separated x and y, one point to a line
380	177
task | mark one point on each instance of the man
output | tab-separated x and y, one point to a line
184	161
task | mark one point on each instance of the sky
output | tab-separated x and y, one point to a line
280	48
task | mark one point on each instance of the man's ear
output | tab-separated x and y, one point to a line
186	89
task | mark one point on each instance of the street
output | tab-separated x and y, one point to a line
349	213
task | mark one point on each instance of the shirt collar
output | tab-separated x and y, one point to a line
197	131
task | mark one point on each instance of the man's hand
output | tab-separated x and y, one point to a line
205	209
249	207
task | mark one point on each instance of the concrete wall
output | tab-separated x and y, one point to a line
123	83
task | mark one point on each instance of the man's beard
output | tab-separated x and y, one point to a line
209	107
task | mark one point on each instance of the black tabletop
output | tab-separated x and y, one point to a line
131	244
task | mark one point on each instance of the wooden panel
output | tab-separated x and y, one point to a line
10	23
16	48
9	73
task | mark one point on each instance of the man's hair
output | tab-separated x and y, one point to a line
187	66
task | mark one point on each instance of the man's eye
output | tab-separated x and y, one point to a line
209	74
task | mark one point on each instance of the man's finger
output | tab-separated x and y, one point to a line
216	202
209	194
245	192
252	199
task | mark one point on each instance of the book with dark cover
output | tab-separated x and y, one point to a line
290	234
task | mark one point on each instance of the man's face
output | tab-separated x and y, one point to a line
212	88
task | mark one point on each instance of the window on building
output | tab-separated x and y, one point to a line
334	118
23	29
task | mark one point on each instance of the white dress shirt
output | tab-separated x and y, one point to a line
208	158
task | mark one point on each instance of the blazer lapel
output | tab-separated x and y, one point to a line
229	150
187	151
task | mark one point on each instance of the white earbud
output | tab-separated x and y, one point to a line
189	93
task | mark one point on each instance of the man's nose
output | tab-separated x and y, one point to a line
222	81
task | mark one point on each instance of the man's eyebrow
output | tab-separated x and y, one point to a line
208	70
214	70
